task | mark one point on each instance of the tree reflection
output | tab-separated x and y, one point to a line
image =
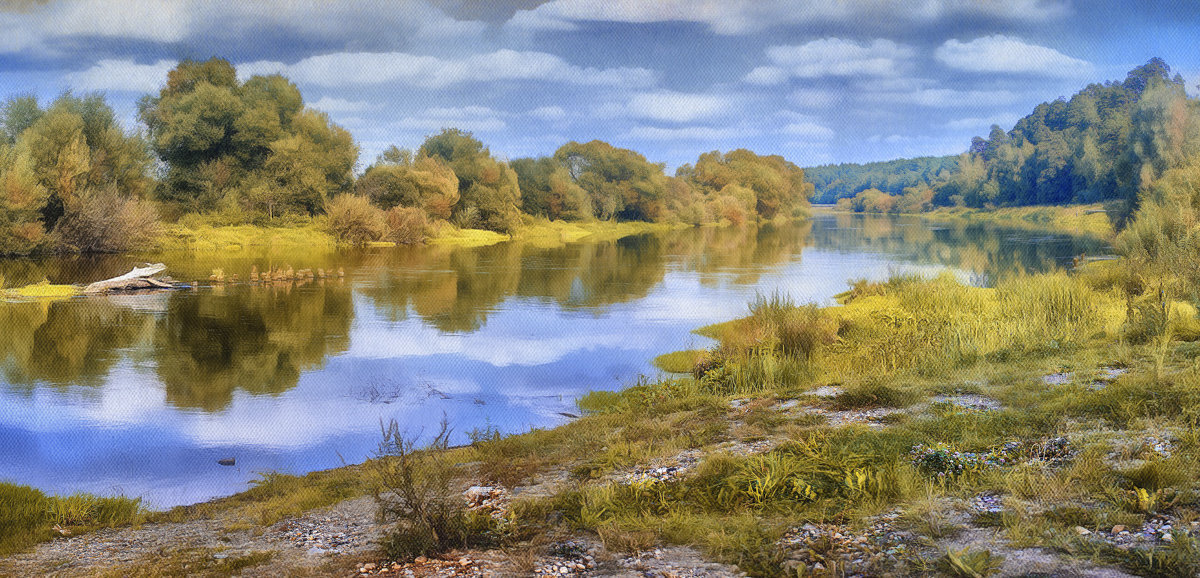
66	342
257	339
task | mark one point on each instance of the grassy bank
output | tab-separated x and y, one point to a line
1089	220
28	516
196	236
1065	404
1070	219
1065	398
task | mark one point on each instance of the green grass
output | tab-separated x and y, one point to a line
889	345
27	516
680	361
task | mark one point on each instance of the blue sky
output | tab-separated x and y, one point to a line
815	81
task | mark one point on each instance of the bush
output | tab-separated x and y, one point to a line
353	219
103	221
416	491
406	225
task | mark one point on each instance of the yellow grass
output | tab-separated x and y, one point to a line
1075	219
44	290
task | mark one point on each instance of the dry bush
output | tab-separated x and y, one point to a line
406	225
353	219
104	221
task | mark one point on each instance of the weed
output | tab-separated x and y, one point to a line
969	563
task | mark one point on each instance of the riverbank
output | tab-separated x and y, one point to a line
1090	220
1052	430
311	235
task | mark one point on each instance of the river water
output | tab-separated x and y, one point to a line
141	395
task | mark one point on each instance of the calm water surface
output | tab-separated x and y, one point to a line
142	394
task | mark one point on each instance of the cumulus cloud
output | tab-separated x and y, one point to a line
548	113
840	57
746	16
470	118
1004	120
808	130
372	68
43	25
814	98
677	106
1007	54
766	75
945	97
121	76
704	133
333	105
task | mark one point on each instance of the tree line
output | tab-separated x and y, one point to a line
1107	143
227	151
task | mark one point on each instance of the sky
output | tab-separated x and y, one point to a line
816	81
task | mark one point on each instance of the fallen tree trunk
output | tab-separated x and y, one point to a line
138	278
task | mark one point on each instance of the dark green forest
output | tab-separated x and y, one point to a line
1107	143
833	182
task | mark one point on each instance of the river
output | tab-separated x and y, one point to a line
141	395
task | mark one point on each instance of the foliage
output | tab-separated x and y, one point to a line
59	157
772	185
427	183
248	143
1106	143
620	183
353	219
406	225
416	492
834	182
488	191
104	221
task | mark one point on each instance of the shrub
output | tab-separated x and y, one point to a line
103	221
406	225
353	219
417	491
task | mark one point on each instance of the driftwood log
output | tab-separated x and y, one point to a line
138	278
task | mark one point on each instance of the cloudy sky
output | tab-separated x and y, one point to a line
813	80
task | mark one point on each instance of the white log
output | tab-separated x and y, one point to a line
138	278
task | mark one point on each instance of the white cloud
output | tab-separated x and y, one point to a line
470	118
121	76
945	97
766	75
676	106
686	133
42	25
808	130
890	139
1004	120
747	16
548	113
999	53
333	105
373	68
840	57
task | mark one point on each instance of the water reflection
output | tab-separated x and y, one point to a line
258	339
143	393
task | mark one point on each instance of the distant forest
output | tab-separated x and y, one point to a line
833	182
1104	144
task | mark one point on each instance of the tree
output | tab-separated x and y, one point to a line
251	144
489	192
398	180
620	183
548	190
